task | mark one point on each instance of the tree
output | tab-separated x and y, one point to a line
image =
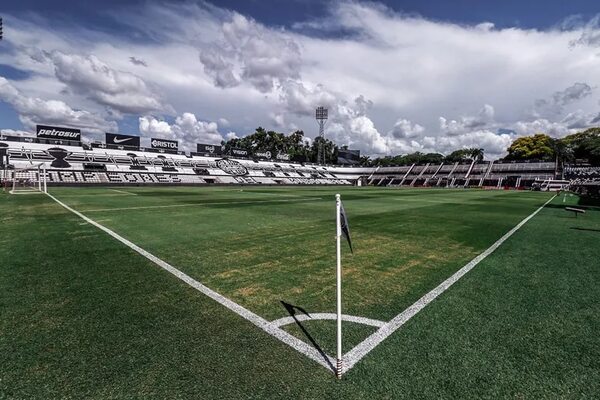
581	145
262	141
458	156
366	161
476	154
536	147
329	149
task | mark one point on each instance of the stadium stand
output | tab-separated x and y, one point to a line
584	180
76	165
70	164
490	174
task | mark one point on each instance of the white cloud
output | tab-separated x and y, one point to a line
33	110
468	123
231	135
541	126
495	145
589	34
14	132
121	91
404	128
187	129
250	52
555	104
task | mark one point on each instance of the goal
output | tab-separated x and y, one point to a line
27	180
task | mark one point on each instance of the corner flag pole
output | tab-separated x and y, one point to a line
338	235
44	175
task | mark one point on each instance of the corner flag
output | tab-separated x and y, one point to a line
342	228
345	227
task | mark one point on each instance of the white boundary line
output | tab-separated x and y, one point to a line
257	320
316	316
363	348
124	192
307	199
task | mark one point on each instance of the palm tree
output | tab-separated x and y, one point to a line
476	154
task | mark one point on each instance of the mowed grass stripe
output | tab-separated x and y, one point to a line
214	203
258	254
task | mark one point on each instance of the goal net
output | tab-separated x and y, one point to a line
27	180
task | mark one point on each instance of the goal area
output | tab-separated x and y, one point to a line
26	180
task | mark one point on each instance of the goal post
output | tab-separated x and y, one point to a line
28	180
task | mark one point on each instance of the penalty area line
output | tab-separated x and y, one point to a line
273	330
365	347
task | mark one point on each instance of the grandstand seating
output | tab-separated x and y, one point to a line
584	180
74	165
482	174
77	165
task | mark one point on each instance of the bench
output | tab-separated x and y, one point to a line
577	211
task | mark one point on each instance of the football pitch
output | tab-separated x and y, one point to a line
217	292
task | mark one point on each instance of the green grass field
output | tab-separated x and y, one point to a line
83	315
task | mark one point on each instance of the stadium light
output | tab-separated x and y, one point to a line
321	115
0	28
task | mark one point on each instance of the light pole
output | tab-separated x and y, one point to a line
321	115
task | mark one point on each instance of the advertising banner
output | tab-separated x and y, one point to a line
208	149
283	156
57	132
235	152
263	155
115	140
164	144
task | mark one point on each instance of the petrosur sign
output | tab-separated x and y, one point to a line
57	132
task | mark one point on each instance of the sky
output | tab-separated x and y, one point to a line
396	76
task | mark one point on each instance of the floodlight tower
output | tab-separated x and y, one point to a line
321	115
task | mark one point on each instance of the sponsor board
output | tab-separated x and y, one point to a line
115	140
283	156
57	132
239	152
208	149
232	167
264	155
164	144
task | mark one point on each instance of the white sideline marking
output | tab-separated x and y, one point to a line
202	204
363	348
124	192
257	320
317	316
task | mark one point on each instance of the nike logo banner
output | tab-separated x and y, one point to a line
345	227
125	140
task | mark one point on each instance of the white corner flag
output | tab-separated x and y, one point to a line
341	228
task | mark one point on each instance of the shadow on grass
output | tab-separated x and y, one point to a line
291	309
589	201
584	229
